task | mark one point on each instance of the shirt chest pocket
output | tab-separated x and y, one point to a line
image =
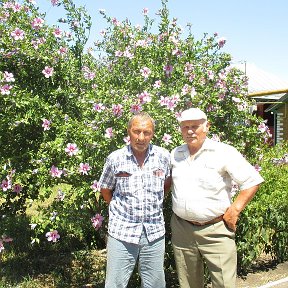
209	178
157	177
126	183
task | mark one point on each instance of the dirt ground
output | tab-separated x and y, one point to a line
264	273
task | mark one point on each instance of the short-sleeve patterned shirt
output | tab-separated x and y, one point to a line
138	193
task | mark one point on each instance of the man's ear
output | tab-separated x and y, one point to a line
206	127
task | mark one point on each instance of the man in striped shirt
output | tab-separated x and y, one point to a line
133	183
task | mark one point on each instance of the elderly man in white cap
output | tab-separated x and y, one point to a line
204	219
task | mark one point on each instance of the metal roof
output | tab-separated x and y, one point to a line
260	80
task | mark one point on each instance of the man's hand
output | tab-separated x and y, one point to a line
106	194
232	213
231	217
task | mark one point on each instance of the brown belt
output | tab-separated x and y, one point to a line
213	221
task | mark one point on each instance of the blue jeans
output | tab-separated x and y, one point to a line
122	258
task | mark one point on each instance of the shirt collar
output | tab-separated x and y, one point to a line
151	150
208	144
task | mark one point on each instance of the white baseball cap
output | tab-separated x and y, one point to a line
192	114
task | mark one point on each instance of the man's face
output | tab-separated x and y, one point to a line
194	131
141	133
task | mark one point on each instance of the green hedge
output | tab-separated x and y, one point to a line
263	225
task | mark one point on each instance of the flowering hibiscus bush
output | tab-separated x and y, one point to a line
48	140
64	109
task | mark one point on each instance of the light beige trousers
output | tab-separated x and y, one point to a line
214	243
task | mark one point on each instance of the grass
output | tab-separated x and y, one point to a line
64	269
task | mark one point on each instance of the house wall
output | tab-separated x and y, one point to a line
284	110
282	124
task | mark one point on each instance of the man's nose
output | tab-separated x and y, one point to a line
141	136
